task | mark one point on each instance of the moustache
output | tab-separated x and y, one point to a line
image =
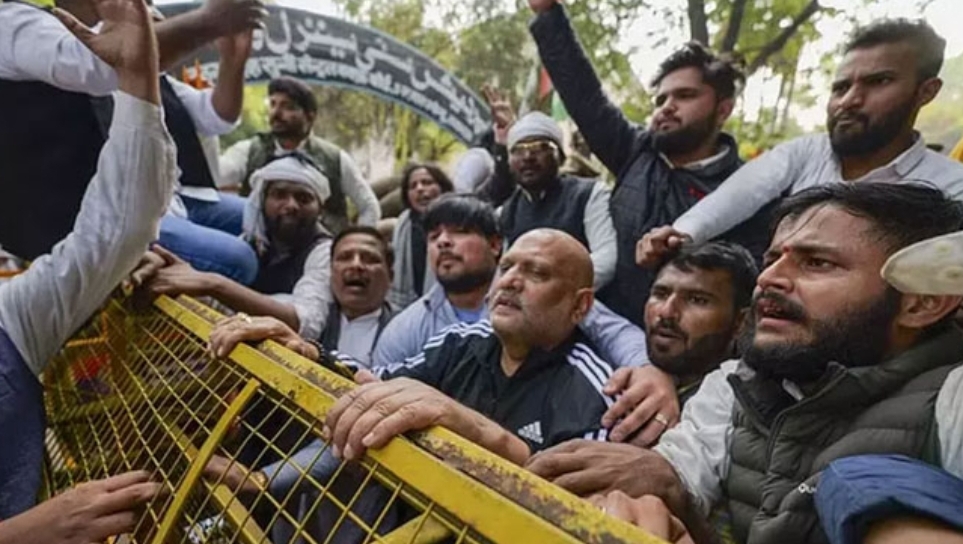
668	328
667	118
770	304
508	299
355	281
444	254
850	116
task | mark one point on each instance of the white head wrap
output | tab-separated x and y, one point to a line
284	169
536	125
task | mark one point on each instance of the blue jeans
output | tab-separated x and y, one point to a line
226	215
209	239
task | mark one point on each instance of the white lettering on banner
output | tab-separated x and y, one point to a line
330	51
269	67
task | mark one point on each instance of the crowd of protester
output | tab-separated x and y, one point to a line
714	351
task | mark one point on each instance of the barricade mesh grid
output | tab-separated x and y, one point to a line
237	444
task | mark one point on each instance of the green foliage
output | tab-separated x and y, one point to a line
487	41
942	121
253	116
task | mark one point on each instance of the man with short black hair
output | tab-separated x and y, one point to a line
292	110
889	72
360	278
835	363
663	169
696	310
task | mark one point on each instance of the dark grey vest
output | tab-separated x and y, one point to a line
50	140
560	207
779	447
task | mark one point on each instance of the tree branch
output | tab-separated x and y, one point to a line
780	41
698	25
736	14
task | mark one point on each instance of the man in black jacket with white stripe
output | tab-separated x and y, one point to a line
521	383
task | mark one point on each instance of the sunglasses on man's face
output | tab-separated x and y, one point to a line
538	147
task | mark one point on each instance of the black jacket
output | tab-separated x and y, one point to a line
648	192
555	396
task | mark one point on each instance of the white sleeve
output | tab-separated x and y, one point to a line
34	46
744	193
118	218
698	447
949	423
200	106
357	189
233	164
600	232
312	293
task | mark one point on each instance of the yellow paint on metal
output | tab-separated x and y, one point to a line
423	529
250	533
158	400
203	456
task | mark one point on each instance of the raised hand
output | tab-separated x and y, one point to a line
503	115
236	48
229	17
126	42
658	245
539	6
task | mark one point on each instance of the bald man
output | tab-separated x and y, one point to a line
516	384
523	381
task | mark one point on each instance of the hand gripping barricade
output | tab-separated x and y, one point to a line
138	391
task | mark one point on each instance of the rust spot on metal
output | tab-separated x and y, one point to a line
523	488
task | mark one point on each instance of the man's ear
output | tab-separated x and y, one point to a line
583	303
495	245
724	110
921	311
928	90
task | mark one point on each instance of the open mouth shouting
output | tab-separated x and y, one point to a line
774	310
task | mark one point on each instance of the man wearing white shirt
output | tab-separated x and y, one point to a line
890	71
292	110
835	362
41	308
54	99
360	279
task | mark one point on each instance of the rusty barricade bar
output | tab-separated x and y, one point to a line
142	393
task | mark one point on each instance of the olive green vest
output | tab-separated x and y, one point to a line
779	447
326	155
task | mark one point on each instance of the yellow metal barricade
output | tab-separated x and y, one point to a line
140	392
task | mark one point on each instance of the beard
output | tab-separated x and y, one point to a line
685	138
283	129
467	282
706	352
856	338
873	136
291	233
